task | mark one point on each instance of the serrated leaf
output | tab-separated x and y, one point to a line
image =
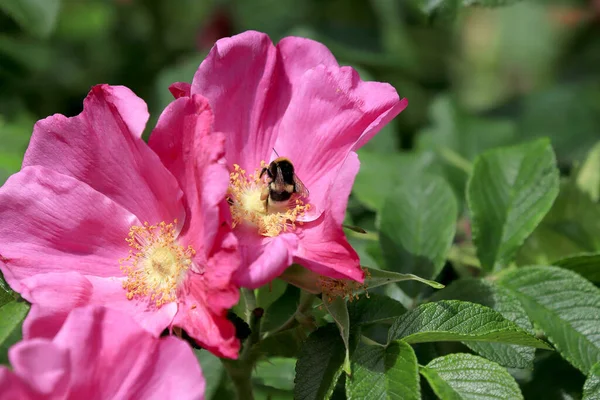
276	372
38	17
591	388
378	277
212	370
586	265
319	364
373	309
418	221
452	320
465	376
384	373
565	306
509	192
339	312
500	299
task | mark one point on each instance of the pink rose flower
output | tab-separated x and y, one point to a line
101	354
96	216
292	100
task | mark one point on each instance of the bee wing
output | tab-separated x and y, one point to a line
299	187
279	182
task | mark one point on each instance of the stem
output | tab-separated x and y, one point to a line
240	370
240	374
250	300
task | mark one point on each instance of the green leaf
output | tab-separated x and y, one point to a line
500	299
276	372
38	17
586	265
509	193
339	312
267	294
379	172
565	306
212	369
452	320
12	315
281	309
588	176
465	376
379	277
319	364
384	373
418	222
591	388
283	344
373	309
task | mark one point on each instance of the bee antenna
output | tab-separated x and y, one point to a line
276	153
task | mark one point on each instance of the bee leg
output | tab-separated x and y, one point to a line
264	196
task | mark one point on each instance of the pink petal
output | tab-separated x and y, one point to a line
342	187
237	78
112	357
180	89
53	296
298	55
103	148
330	110
213	331
13	387
325	250
264	258
54	223
43	365
183	141
323	247
109	292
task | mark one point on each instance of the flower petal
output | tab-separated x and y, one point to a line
298	55
54	223
329	112
109	292
123	361
213	331
13	387
52	297
180	89
102	147
342	187
184	143
43	365
263	259
325	250
237	79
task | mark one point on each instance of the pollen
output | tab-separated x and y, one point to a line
344	288
156	264
247	206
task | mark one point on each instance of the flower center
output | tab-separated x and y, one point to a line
246	194
156	263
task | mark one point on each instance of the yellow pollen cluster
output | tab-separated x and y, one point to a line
343	288
247	205
156	263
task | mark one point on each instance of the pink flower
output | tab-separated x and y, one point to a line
96	216
101	354
294	100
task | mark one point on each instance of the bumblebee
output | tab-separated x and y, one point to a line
283	182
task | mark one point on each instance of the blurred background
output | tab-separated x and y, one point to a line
475	76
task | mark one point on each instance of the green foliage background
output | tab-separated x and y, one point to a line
461	188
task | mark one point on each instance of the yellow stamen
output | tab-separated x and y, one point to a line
156	263
247	206
343	288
